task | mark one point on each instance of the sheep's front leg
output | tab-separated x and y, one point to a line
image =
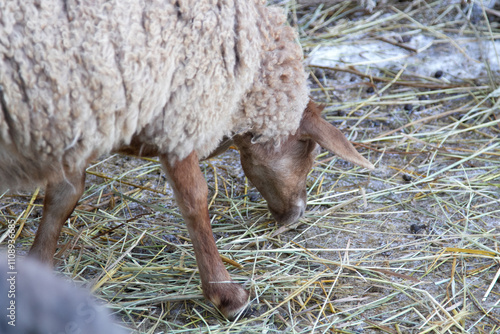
191	193
60	200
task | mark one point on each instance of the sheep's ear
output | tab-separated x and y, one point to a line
329	137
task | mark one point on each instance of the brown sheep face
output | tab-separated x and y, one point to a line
280	172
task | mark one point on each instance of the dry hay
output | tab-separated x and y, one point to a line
409	248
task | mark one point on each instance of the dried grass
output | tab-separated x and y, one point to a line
409	248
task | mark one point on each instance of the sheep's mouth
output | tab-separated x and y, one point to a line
290	216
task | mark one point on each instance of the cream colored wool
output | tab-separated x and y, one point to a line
82	78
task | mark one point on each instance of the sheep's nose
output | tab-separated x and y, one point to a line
291	214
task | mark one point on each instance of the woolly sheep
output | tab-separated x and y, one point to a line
157	78
34	301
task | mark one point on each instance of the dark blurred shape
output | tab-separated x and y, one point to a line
438	74
38	302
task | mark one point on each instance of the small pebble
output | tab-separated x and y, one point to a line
406	39
253	197
416	228
407	177
171	238
319	73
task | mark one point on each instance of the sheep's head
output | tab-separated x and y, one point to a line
279	173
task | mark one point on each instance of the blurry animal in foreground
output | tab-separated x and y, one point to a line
34	301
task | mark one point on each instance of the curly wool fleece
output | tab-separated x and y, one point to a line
82	78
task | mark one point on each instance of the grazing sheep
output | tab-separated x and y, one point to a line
34	301
157	78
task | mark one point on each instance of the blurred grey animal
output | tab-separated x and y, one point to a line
34	301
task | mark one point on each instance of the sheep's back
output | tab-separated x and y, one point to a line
81	79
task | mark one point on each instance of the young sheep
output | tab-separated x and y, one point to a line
157	78
34	301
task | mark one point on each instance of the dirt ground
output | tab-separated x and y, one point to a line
411	247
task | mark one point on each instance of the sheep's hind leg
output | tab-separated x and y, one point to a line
60	199
191	193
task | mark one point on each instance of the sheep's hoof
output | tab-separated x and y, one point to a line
231	300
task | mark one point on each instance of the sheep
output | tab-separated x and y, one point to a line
34	301
158	78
